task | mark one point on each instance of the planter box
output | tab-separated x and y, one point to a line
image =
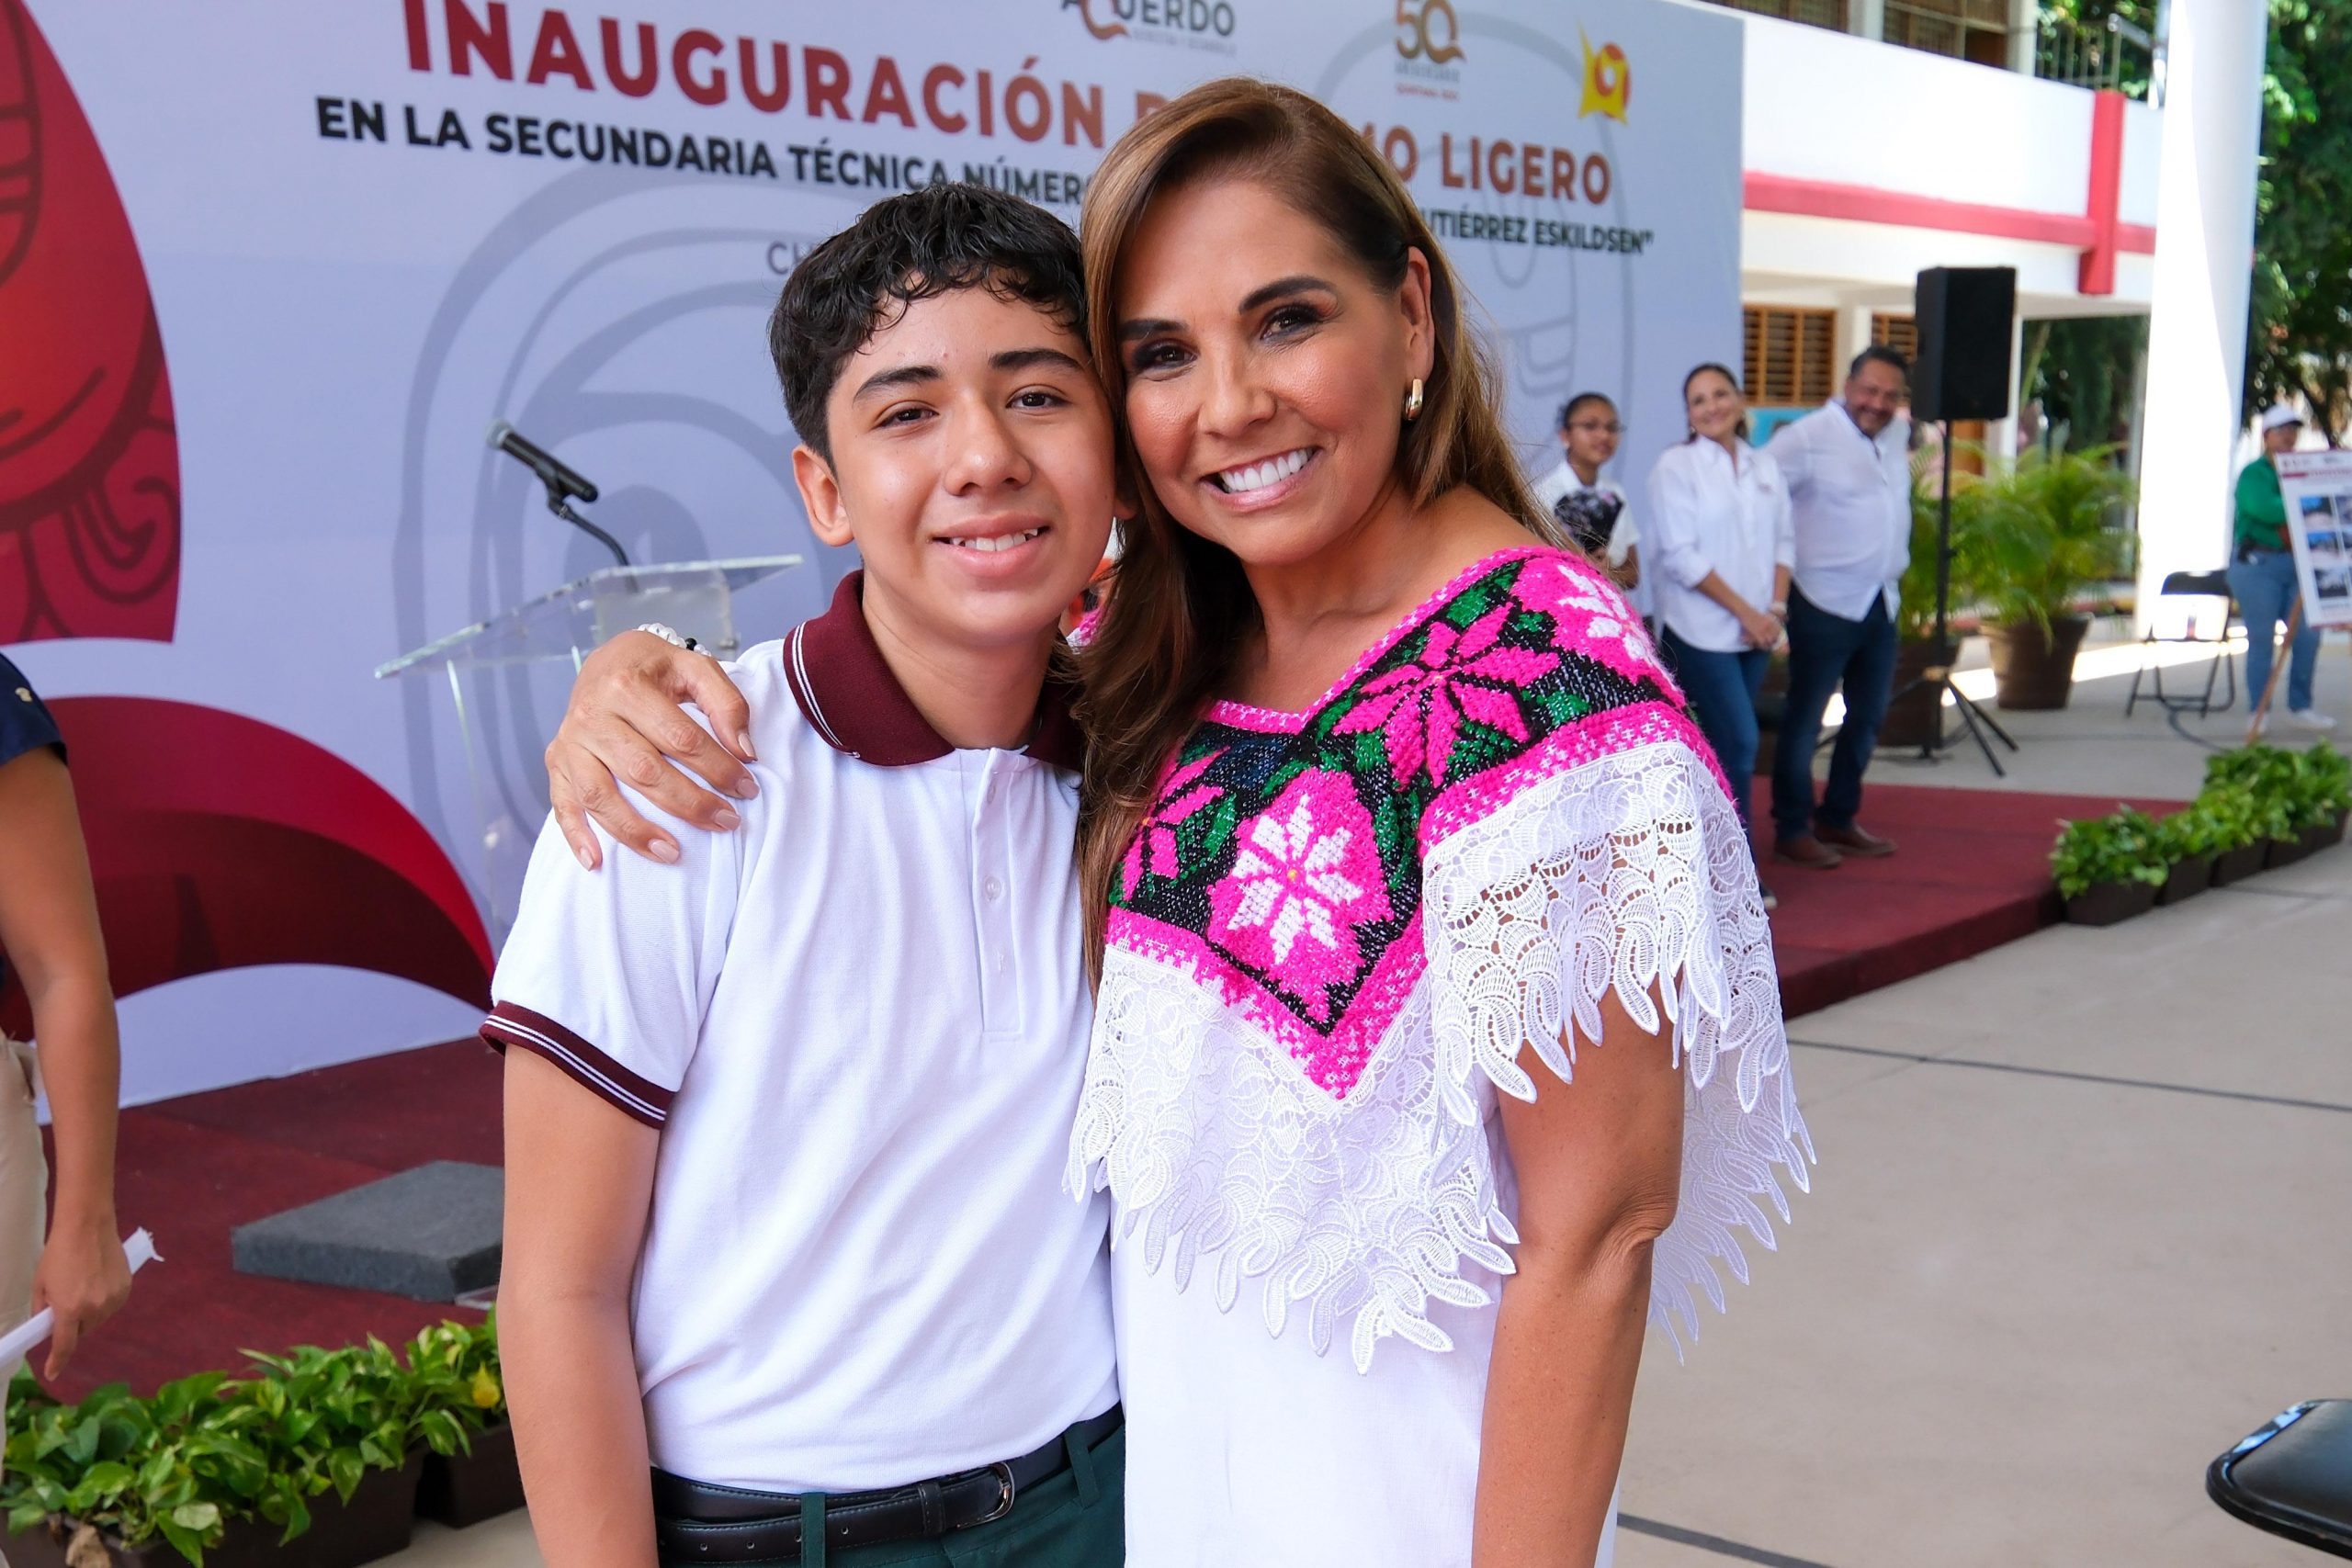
377	1522
1913	718
2190	876
2106	903
2237	865
2324	837
2033	669
465	1489
2276	853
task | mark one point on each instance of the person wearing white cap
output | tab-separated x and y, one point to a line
2262	576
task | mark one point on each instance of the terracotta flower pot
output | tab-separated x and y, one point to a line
377	1522
2237	865
2033	669
2191	874
2104	903
465	1489
1911	719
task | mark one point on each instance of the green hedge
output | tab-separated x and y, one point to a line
206	1449
2252	793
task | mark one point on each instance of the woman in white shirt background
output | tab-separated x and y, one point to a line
1592	509
1720	546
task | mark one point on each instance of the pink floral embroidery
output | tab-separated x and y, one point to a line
1419	707
1591	617
1154	845
1307	876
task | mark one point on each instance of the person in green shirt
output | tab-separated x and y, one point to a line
2262	576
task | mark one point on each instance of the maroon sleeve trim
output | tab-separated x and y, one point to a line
511	1025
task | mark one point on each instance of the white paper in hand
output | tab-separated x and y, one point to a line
138	1251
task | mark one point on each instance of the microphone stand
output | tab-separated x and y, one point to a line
561	504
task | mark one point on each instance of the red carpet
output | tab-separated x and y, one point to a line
1971	874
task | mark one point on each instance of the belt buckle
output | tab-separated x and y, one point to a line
1004	1489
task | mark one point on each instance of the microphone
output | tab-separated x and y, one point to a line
554	472
563	482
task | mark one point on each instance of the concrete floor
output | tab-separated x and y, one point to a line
2080	1223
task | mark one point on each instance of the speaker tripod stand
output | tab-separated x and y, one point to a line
1974	719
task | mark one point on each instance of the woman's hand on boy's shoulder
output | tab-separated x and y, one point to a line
626	716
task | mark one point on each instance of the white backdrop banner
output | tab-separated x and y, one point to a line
290	260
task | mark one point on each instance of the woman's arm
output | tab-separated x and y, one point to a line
623	717
48	929
1600	1167
1763	630
579	1184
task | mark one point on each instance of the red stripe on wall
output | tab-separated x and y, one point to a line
2096	272
1871	204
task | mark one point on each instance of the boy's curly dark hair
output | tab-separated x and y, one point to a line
901	249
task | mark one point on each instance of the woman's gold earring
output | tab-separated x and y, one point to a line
1413	402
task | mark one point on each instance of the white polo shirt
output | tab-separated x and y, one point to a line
1849	496
860	1023
1714	510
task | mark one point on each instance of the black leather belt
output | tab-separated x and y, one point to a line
695	1521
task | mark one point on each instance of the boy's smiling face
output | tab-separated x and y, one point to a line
971	466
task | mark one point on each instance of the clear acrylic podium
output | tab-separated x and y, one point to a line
695	597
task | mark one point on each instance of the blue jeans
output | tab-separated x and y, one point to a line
1825	652
2266	591
1721	688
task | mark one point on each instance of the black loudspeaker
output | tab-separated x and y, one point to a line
1965	318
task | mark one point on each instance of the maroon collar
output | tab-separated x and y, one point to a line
851	700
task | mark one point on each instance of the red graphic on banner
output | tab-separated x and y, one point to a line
218	841
89	465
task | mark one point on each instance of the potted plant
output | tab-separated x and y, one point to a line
2323	785
346	1422
1912	717
2037	535
2270	779
217	1470
2189	839
2238	840
125	1480
2109	868
471	1472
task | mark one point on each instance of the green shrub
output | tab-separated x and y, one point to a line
2196	832
207	1450
2122	846
2322	785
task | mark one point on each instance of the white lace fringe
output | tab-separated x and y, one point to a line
1625	873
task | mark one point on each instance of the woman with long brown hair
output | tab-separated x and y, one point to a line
1386	790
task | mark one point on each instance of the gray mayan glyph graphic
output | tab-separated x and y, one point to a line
616	318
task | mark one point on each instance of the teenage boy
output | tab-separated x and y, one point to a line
785	1132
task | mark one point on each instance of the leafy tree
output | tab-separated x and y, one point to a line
2299	331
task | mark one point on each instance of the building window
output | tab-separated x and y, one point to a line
1830	14
1899	332
1976	31
1791	356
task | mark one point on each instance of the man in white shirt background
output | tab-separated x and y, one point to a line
1848	473
1592	508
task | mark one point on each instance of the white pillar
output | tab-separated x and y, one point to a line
1866	18
2204	273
